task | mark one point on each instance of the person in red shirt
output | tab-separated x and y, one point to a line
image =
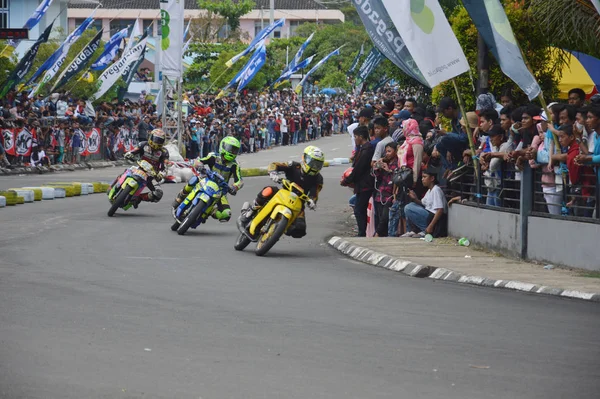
581	177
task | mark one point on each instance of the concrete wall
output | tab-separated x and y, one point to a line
564	242
498	231
558	242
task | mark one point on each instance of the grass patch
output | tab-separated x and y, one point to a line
590	274
253	172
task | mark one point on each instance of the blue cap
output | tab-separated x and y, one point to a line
404	115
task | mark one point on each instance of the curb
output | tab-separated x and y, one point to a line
28	170
411	269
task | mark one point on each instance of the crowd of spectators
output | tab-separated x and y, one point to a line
410	158
259	121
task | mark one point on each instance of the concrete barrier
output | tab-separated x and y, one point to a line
2	201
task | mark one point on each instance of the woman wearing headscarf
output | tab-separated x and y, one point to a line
411	151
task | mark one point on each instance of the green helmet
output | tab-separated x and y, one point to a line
229	148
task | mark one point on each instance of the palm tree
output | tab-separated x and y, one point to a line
571	24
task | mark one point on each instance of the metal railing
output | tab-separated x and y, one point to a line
552	194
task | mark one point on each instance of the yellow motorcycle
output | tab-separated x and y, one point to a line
274	219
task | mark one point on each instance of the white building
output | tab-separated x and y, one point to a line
14	14
115	15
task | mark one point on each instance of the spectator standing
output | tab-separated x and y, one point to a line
143	128
361	177
384	196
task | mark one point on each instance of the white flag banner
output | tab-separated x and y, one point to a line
114	72
429	38
171	13
135	33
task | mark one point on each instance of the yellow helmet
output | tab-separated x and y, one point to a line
156	140
312	160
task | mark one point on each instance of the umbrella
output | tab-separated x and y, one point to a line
581	71
329	92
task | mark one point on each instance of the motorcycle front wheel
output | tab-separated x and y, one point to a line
271	236
191	218
241	242
118	203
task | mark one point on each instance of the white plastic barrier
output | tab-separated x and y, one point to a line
87	188
47	192
59	192
341	161
27	195
2	201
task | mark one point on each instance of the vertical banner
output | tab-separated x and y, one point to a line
171	13
429	38
373	59
114	72
79	62
23	143
9	141
93	141
493	26
24	66
253	67
385	36
356	59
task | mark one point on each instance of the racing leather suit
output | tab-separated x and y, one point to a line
227	169
311	184
157	159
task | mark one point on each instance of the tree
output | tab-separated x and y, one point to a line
220	13
569	24
534	44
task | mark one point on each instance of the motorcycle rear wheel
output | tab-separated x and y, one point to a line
175	226
191	218
118	203
270	238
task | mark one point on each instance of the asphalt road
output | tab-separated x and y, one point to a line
98	307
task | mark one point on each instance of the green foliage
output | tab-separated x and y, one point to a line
228	9
6	64
533	42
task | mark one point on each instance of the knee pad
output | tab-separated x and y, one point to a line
156	195
223	215
298	229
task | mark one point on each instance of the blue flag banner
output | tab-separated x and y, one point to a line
356	59
263	34
493	26
236	78
317	66
110	50
63	49
37	15
254	65
299	54
288	74
385	36
371	62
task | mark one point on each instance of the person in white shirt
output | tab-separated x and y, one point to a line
424	215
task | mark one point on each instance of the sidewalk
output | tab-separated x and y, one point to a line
443	259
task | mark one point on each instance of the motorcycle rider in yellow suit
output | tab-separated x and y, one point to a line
306	174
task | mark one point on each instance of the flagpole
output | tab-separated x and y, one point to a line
461	105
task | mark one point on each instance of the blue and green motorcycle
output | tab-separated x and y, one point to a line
200	203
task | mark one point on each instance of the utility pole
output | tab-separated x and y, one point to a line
483	66
272	14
